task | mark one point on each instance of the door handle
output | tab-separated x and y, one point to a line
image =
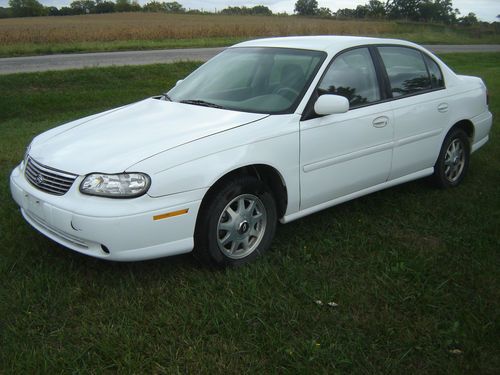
380	122
443	107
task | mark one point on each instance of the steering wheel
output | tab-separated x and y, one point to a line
287	92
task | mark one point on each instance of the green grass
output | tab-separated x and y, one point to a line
413	269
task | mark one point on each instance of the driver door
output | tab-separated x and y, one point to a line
341	154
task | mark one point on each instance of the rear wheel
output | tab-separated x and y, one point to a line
453	160
237	223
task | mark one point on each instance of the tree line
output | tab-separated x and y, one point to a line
33	8
441	11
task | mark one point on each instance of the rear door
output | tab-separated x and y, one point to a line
420	108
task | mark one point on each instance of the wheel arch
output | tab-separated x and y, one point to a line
264	172
467	126
439	175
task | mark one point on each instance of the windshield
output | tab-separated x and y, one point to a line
262	80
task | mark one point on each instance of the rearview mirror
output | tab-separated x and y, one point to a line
329	104
179	81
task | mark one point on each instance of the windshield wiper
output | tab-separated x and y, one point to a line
202	103
166	97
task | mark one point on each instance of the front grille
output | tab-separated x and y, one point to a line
48	179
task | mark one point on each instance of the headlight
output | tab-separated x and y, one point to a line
123	185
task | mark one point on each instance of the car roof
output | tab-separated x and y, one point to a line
328	43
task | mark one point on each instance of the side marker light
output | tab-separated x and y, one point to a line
171	214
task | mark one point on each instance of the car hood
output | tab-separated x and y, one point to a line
112	141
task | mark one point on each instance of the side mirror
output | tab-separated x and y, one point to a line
329	104
179	81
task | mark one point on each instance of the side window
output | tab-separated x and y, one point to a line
352	75
437	80
406	70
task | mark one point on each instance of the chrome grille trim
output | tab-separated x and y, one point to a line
50	180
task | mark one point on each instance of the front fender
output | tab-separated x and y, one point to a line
198	165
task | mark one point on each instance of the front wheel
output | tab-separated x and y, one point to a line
237	223
453	160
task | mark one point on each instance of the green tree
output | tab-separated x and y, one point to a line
376	9
26	8
306	7
135	6
345	13
65	11
361	11
123	6
127	6
52	11
256	10
427	11
174	7
154	6
422	10
443	11
5	12
83	6
403	9
231	10
261	10
324	12
468	20
104	6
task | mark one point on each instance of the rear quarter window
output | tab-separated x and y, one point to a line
436	75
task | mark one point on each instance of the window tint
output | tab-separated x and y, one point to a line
406	70
352	75
437	80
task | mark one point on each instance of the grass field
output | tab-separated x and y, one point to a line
414	270
136	31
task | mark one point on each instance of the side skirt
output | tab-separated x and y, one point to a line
345	198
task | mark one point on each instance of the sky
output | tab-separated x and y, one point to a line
486	10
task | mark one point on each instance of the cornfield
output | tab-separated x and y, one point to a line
160	26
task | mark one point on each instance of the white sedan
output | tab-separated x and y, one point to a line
268	130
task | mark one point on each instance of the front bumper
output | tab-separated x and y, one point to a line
113	229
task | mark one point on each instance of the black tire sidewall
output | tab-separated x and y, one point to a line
207	232
439	168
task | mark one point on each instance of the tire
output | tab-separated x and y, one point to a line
453	161
236	224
